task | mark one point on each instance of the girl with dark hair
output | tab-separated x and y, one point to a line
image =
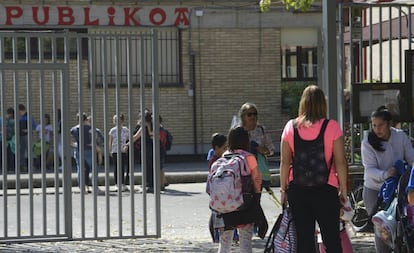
380	149
239	143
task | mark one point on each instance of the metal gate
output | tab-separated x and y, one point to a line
61	76
375	42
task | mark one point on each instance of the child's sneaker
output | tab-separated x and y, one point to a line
216	235
235	236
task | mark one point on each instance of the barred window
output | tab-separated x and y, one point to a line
299	63
117	53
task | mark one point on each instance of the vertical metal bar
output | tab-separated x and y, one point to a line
30	129
390	44
94	168
42	135
340	65
131	150
142	45
380	44
81	142
400	43
18	198
56	136
66	145
156	129
4	172
370	46
104	52
351	47
117	61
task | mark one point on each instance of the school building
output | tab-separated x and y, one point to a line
212	56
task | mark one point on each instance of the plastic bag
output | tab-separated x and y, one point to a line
385	224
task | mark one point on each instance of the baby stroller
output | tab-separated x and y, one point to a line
391	222
404	239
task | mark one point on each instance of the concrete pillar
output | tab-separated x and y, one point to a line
330	84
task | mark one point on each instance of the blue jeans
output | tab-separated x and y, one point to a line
23	151
87	165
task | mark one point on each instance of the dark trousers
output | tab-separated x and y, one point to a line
9	157
150	166
124	166
312	204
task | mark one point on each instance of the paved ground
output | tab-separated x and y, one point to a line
184	229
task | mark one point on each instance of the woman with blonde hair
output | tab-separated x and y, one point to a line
316	183
261	144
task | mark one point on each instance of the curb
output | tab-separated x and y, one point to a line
172	178
355	177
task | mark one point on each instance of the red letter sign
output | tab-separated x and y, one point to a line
182	17
13	12
157	11
65	15
35	13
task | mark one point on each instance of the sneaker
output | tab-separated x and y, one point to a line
99	192
124	188
235	236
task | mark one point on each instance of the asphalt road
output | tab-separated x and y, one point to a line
184	218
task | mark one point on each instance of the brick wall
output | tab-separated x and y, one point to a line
233	64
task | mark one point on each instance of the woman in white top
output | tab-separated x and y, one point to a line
114	145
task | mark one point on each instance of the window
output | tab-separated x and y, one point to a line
118	53
52	41
299	63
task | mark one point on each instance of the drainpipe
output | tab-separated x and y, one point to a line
191	89
192	86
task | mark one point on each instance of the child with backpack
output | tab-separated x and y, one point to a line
218	147
237	167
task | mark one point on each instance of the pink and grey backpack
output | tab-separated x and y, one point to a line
229	184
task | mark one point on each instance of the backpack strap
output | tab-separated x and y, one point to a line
323	128
321	135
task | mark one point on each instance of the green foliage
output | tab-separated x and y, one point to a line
302	5
265	5
291	94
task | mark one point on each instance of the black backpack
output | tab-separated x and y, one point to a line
309	164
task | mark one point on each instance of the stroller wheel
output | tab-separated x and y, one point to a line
360	221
